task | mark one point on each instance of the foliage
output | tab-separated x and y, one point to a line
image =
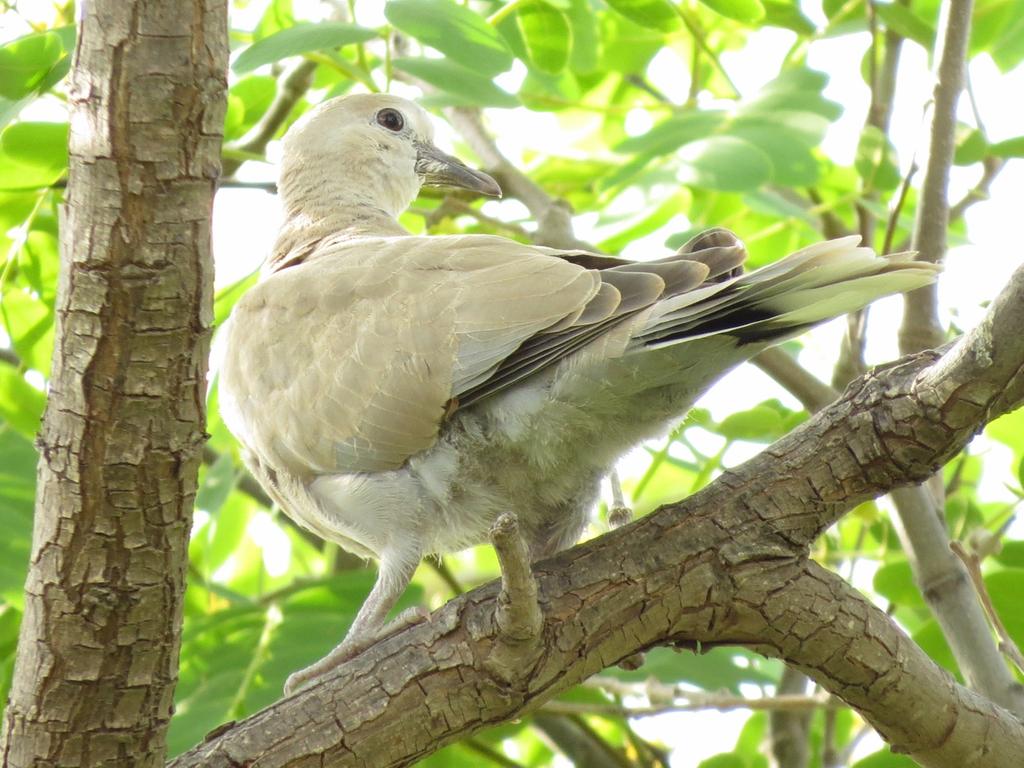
264	598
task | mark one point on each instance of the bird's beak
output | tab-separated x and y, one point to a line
439	169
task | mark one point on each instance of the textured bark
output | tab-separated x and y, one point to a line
121	440
728	565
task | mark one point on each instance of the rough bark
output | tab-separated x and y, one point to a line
921	525
121	440
729	565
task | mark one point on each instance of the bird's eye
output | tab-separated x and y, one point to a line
391	119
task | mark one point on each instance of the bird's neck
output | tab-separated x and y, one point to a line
302	233
340	194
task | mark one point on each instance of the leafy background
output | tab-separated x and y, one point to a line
643	165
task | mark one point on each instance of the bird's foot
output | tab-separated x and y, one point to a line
351	647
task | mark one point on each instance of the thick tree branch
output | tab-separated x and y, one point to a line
726	566
942	578
120	443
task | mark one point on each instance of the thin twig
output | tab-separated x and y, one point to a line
972	562
992	165
292	87
894	215
719	702
8	355
453	205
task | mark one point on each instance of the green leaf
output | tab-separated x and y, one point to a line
674	132
1009	148
17	493
547	35
248	100
39	147
226	531
626	47
895	582
1005	587
787	14
1012	554
1008	51
26	62
795	90
875	160
902	20
21	404
654	14
971	146
217	483
278	15
1008	429
10	622
29	322
933	642
541	92
725	760
761	424
672	206
746	11
724	163
302	38
586	38
461	86
789	149
455	31
885	759
989	23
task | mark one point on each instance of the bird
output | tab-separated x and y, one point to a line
397	393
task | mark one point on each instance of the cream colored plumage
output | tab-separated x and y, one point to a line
395	394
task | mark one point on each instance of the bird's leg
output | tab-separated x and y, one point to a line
620	512
393	576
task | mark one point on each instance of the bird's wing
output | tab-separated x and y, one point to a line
350	360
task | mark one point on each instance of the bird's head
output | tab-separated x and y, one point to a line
370	149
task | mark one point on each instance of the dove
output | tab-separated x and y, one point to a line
396	393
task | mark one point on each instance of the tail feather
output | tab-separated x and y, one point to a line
818	283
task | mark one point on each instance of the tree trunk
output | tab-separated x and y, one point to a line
124	427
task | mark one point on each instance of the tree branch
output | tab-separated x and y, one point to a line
942	578
553	216
98	646
921	328
1006	644
812	393
726	566
291	88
